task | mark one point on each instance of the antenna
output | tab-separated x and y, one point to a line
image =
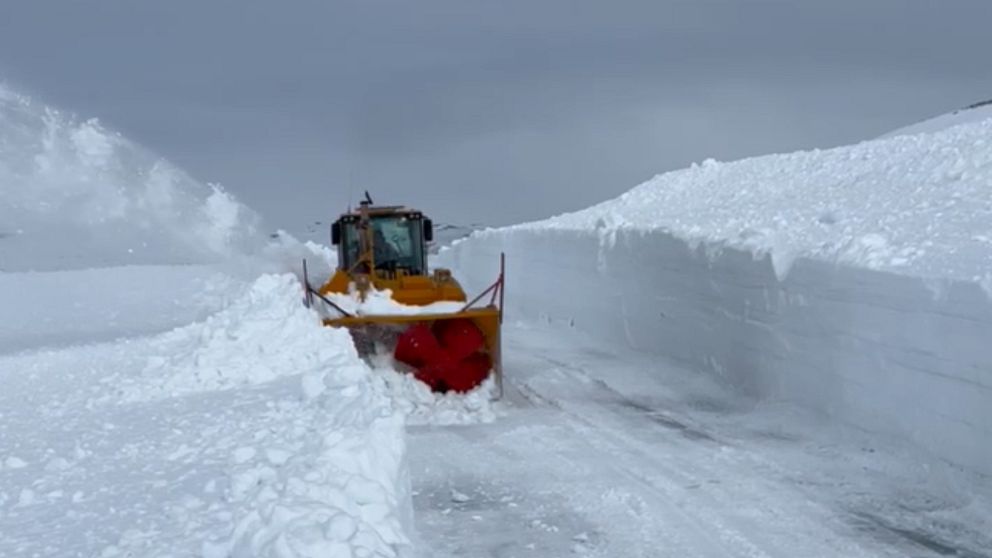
351	186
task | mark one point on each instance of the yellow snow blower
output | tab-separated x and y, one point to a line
427	325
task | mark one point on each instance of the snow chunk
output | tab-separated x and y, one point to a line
15	463
278	456
243	455
26	498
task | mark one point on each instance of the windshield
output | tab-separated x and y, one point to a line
398	243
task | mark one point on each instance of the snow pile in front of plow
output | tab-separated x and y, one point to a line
74	194
421	406
410	396
381	303
255	432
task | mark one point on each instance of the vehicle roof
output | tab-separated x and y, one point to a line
378	211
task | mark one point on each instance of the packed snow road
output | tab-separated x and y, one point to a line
603	453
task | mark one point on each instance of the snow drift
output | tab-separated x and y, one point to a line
77	195
852	281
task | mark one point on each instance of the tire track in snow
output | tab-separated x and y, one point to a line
775	516
665	481
629	458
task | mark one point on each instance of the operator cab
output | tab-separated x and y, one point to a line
399	240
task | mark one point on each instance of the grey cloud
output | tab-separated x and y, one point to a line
488	111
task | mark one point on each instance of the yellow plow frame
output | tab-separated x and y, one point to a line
379	327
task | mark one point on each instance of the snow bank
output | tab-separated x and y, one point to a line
73	194
254	432
265	334
918	205
973	113
881	320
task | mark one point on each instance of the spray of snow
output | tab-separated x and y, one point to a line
75	194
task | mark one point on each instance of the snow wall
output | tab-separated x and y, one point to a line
877	350
854	282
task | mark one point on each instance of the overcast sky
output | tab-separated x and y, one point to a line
491	112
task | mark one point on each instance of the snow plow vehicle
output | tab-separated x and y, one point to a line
395	308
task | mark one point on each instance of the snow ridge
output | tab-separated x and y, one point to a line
254	432
265	334
731	269
972	113
918	205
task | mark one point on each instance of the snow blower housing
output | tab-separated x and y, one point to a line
385	248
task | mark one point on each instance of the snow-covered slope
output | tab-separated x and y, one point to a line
852	282
974	113
163	390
